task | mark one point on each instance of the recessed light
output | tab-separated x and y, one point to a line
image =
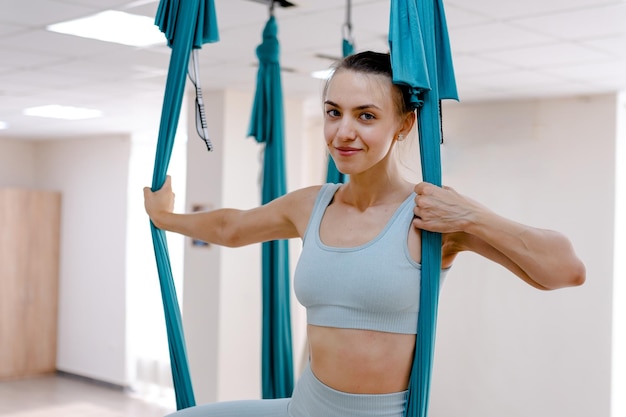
57	111
113	26
3	125
322	74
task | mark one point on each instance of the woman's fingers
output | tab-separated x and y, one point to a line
439	209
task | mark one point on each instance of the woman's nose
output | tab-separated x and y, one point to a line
346	129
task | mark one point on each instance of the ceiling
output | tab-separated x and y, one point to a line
502	49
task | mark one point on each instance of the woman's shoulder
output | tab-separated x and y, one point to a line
305	194
298	205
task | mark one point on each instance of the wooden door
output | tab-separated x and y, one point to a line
29	269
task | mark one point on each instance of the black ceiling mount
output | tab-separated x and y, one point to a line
281	3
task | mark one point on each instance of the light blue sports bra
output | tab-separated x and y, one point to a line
374	286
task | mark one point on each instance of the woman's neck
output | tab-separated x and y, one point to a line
371	189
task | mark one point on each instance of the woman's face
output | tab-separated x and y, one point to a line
361	121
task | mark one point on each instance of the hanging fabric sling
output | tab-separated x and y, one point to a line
187	25
421	59
267	126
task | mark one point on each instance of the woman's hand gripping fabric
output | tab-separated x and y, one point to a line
159	203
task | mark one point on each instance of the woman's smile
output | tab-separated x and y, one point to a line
346	150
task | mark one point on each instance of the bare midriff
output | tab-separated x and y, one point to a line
361	361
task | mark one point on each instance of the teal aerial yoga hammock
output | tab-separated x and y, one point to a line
267	126
187	24
421	60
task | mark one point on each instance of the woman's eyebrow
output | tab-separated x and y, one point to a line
361	107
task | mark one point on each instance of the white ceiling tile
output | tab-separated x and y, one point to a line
131	60
492	36
457	16
89	72
603	20
303	61
11	29
140	7
29	81
508	9
60	45
511	79
611	85
17	58
613	45
467	65
101	4
553	89
546	56
216	77
238	13
13	104
592	72
369	21
303	33
43	13
468	94
518	86
233	45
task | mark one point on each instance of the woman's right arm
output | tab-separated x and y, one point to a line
281	218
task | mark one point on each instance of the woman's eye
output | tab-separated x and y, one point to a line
332	112
367	116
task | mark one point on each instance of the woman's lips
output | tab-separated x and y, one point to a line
345	151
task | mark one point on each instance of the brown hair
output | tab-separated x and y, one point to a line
370	62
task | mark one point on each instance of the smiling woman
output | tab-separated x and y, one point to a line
361	253
358	126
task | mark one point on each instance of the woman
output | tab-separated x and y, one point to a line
358	275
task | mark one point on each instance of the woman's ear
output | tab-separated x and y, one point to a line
407	123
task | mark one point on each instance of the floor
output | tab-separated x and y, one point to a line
67	396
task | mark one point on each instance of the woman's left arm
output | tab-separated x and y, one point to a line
543	258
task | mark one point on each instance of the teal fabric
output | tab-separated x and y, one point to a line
418	32
347	48
421	59
204	30
333	175
187	24
267	126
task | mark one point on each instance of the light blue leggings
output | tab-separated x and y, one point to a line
311	398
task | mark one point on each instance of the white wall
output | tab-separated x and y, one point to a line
504	348
618	399
92	176
222	288
202	265
17	166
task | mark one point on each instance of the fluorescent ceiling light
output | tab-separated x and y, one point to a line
56	111
3	125
322	74
113	26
